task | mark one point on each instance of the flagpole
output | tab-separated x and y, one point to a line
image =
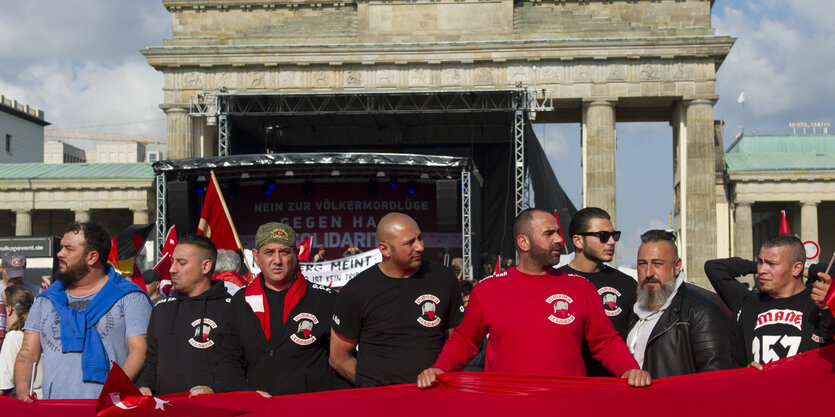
743	116
231	222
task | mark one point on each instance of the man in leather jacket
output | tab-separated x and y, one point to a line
676	329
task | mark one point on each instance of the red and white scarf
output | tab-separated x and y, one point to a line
257	300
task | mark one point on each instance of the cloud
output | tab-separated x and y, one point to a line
627	247
94	94
95	30
780	60
81	62
554	144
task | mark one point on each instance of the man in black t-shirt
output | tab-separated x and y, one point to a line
398	311
594	241
784	318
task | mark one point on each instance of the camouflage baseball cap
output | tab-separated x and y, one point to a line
275	232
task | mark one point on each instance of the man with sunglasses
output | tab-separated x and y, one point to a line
594	241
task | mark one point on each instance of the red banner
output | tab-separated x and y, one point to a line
783	388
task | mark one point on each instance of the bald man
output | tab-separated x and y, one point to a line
399	311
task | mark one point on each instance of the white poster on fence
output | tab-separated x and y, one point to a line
338	272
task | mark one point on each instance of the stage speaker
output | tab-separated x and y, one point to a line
446	195
179	207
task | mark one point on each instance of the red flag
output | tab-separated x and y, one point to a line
830	298
557	217
123	250
501	394
498	267
163	267
170	241
304	249
784	225
215	221
119	397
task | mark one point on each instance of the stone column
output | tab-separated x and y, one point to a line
809	222
82	216
700	200
140	217
180	141
743	231
599	148
23	223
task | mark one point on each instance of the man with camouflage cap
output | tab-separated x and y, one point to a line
278	337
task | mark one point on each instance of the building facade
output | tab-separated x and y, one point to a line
21	132
604	61
766	174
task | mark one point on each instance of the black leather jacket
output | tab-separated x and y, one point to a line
691	336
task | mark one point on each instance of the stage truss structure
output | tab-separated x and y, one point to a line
523	102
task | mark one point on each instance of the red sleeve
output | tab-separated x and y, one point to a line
463	344
604	341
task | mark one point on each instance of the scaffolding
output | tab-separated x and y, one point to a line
521	101
162	207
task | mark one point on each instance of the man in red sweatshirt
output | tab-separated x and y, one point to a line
537	316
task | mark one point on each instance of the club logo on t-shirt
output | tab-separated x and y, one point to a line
428	304
777	316
560	303
201	338
304	332
610	300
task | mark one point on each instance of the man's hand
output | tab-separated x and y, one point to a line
428	378
146	391
199	390
820	289
637	378
755	365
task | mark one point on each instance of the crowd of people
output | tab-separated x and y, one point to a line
404	320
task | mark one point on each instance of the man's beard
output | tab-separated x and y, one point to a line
73	273
544	256
654	299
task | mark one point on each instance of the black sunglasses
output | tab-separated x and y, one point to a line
603	235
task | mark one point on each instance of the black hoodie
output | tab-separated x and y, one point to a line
184	340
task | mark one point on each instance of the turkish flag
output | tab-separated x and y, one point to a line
784	225
498	267
217	225
215	221
491	394
170	241
304	249
830	297
163	267
119	397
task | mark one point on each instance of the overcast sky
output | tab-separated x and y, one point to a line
80	63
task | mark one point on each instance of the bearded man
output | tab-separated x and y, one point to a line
677	330
91	316
537	316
